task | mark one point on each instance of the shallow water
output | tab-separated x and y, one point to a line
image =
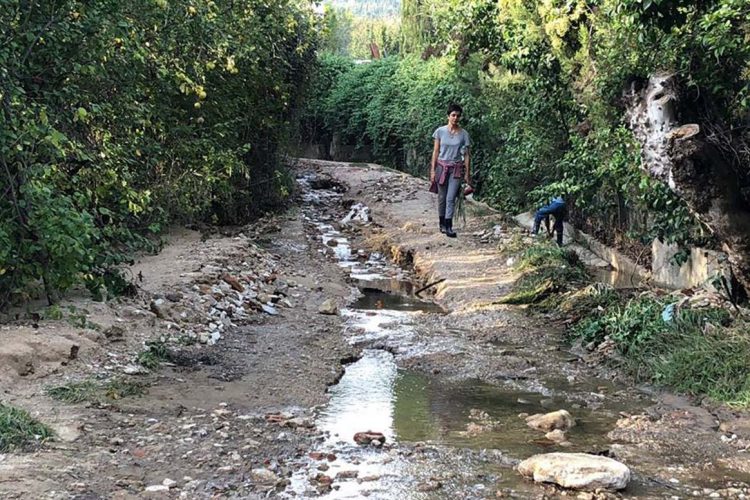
374	299
413	407
466	434
616	279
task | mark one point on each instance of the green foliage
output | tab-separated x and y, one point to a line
697	351
542	85
173	111
393	105
367	8
19	431
155	353
94	392
545	269
346	33
629	325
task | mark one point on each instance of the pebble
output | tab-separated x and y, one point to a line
155	488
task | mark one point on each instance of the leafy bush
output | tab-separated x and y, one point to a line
697	351
173	111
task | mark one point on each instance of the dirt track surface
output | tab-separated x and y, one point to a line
235	418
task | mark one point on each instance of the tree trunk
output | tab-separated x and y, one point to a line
678	155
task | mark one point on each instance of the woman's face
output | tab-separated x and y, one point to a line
453	118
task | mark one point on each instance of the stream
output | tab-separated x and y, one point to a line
446	436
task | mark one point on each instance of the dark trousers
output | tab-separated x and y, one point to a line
557	210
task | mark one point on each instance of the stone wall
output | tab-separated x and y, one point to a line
700	269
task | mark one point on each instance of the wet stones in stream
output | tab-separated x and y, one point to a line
579	471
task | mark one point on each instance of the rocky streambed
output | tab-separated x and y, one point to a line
298	360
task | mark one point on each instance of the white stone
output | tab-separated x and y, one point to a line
328	307
579	471
156	488
559	419
263	475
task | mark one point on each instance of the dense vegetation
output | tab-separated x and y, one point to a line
542	84
368	8
120	116
697	350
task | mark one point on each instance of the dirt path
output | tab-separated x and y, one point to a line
231	410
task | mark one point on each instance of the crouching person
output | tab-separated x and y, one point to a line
558	210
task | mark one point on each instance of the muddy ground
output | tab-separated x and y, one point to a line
250	402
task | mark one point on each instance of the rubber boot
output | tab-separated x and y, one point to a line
442	225
449	228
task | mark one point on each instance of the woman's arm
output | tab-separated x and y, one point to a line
467	166
433	163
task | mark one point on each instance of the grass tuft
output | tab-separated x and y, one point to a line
546	270
97	393
155	353
19	431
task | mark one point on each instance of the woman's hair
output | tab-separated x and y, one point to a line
455	107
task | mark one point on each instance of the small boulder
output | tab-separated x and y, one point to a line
263	476
556	436
233	282
160	308
579	471
365	438
114	333
547	422
328	307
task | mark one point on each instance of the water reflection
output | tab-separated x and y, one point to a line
363	399
616	279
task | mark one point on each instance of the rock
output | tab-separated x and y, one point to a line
328	307
576	470
559	419
160	308
347	474
156	488
557	436
133	369
169	483
365	438
324	479
114	333
431	485
739	426
299	422
233	282
263	476
271	311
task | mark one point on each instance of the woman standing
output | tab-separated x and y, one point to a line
450	164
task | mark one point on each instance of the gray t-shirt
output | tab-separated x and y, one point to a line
452	146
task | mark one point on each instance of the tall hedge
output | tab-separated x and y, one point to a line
119	116
542	86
